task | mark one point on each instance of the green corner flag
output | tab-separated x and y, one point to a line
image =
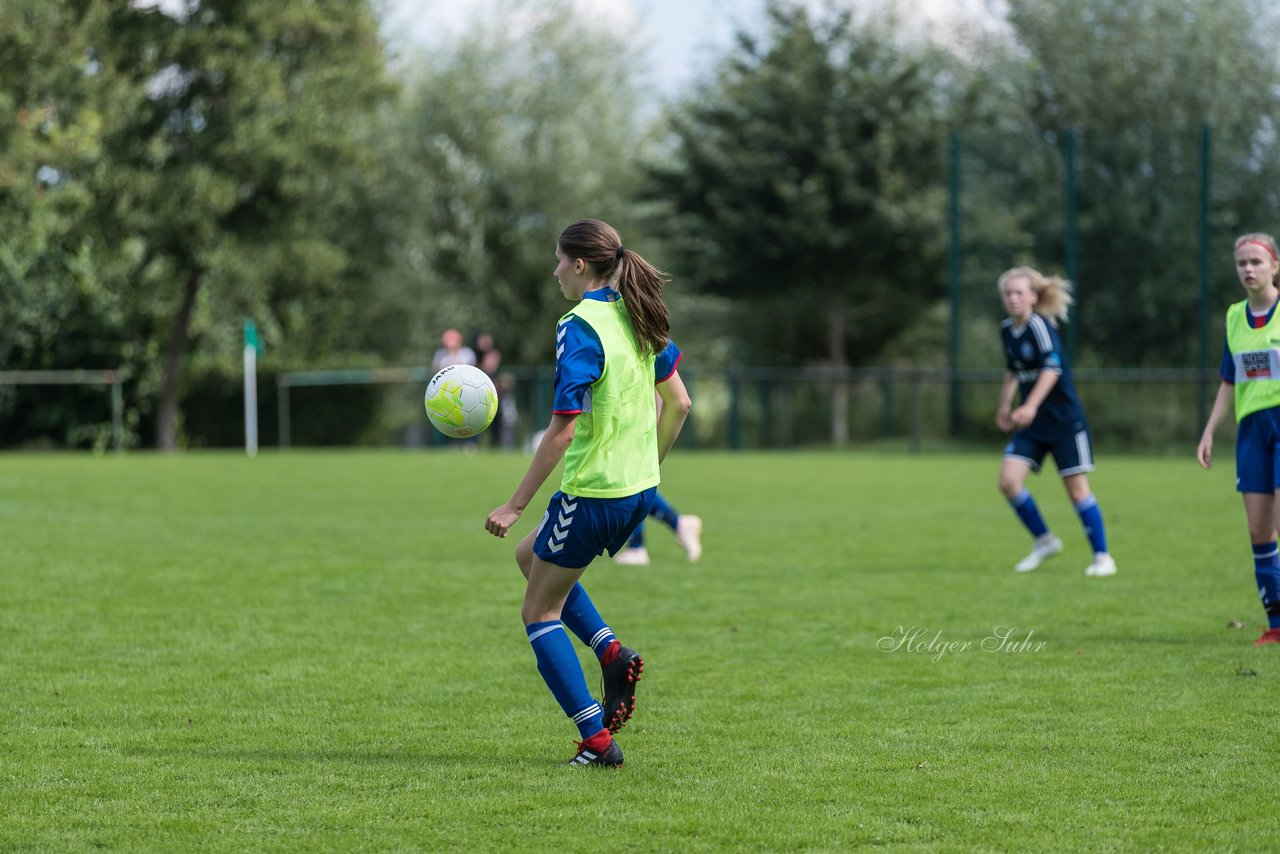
251	337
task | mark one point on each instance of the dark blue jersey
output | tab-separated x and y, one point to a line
1030	351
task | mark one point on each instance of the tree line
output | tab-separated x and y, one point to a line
166	173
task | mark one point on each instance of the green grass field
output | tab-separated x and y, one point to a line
323	652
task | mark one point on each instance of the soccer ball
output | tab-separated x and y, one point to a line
461	401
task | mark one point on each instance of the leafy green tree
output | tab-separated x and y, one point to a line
518	129
807	182
60	285
162	175
1134	80
235	160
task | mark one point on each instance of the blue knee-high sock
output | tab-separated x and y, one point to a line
1091	518
664	512
558	664
1266	569
637	537
1025	506
580	616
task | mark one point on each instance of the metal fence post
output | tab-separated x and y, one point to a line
1202	398
917	413
282	411
954	259
1069	239
765	390
735	409
117	410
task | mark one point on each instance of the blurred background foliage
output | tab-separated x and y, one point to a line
166	174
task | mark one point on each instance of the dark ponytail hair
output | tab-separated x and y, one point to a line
640	283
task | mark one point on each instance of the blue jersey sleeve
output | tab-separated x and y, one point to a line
579	363
1228	369
1048	346
665	365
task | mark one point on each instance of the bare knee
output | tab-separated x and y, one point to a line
1077	487
1009	484
1261	532
1260	511
530	614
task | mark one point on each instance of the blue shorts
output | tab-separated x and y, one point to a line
1072	452
575	530
1258	452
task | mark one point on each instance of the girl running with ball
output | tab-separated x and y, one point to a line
612	348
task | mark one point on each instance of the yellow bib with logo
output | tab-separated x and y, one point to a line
1256	353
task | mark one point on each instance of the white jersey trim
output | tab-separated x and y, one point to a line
1041	331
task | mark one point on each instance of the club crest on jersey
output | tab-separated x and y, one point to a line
1026	350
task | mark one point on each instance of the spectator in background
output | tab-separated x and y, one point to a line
507	413
451	351
489	359
488	356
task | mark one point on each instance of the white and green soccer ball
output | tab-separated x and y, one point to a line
461	401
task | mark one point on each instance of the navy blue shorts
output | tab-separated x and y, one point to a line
575	530
1258	452
1072	452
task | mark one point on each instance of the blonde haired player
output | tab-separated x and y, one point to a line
1050	419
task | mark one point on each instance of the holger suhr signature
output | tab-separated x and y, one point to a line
1007	639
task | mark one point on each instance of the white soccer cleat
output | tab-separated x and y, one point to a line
1103	564
632	557
1044	548
689	535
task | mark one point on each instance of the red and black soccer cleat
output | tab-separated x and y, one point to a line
619	678
591	752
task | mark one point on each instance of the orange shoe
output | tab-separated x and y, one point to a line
1271	636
